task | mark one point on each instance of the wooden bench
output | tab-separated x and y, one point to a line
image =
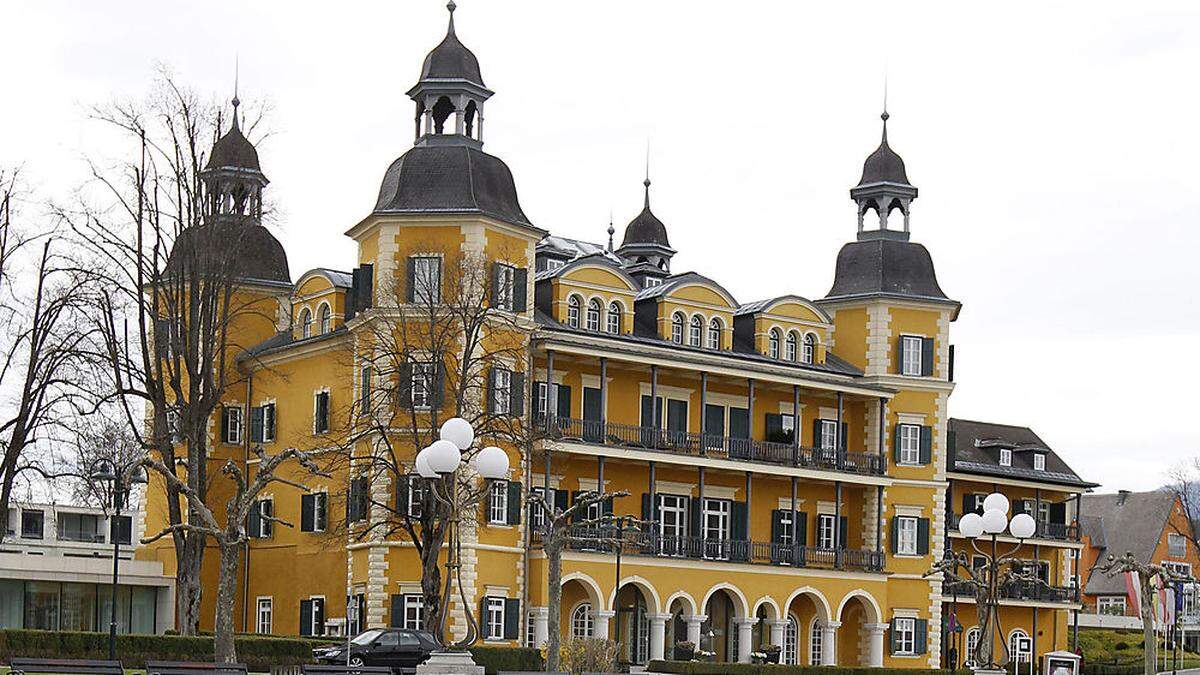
23	666
325	669
194	668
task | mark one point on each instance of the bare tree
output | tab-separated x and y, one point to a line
1184	483
1150	577
168	296
429	346
44	339
562	527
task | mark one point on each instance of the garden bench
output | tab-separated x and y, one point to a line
194	668
324	669
23	666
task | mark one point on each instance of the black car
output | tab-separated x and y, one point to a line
399	649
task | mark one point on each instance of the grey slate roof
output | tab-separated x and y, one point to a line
674	281
1131	521
450	179
451	60
760	305
884	165
646	228
233	150
883	267
260	256
974	449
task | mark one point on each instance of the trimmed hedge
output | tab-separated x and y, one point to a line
258	653
711	668
496	659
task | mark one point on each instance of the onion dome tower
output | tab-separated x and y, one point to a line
645	247
884	186
446	171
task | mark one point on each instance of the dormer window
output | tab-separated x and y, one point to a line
695	329
593	315
651	282
714	333
573	303
1005	457
614	318
306	323
326	319
809	352
677	328
773	344
1039	462
789	352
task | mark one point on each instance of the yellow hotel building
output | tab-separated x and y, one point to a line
796	458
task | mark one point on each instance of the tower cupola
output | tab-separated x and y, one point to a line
233	179
645	247
450	94
883	189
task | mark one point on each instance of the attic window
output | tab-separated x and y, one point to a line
1005	457
1039	462
652	281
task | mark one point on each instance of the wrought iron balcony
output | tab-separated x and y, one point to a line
1055	531
604	540
1018	590
710	445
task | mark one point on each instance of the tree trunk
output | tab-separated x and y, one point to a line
224	649
1150	649
552	545
188	556
431	591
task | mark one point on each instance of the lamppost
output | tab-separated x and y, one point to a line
119	479
988	580
441	463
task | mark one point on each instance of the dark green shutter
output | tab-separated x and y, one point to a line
896	442
922	536
560	500
843	532
922	636
256	424
491	390
306	613
926	444
517	394
495	285
512	618
306	513
1058	513
777	525
844	436
695	506
738	524
816	437
564	401
404	385
397	617
773	426
900	355
402	488
411	280
894	533
224	425
514	503
895	638
801	528
520	292
438	395
927	356
254	520
646	513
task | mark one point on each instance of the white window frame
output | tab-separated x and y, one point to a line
269	430
1039	461
537	514
827	524
906	635
328	412
416	495
506	278
574	309
773	340
695	330
501	390
324	318
1106	604
677	322
414	606
829	431
714	333
910	444
612	321
266	527
427	278
913	346
971	643
494	619
264	614
1016	639
816	641
312	622
320	504
594	309
421	385
789	346
306	322
498	503
651	282
233	424
1005	457
808	350
582	621
791	641
906	535
1173	550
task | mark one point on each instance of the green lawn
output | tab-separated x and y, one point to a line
1121	648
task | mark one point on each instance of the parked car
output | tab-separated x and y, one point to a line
399	649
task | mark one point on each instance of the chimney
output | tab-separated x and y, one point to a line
1122	495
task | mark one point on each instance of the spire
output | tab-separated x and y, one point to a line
611	231
884	117
451	6
646	182
236	101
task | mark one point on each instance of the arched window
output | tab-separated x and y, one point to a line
773	344
573	304
593	315
581	620
972	642
615	311
791	635
325	319
1020	646
695	330
809	353
789	349
714	333
814	642
677	328
306	323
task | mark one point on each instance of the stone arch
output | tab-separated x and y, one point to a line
868	602
740	602
588	583
687	599
818	598
769	602
653	602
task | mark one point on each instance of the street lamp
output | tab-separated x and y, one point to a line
119	480
988	579
442	460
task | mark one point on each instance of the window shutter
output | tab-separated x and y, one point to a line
646	515
895	638
404	385
318	605
737	524
564	401
900	355
1058	513
923	536
254	520
411	285
306	615
512	618
774	426
320	507
606	507
269	421
491	390
539	408
516	396
896	442
894	533
843	532
514	503
802	528
968	503
816	437
224	425
402	488
927	356
256	424
520	292
694	515
844	436
397	618
306	513
922	636
483	618
560	500
926	444
495	285
776	526
438	395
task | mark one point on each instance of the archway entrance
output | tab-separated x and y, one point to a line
633	625
719	633
859	633
677	627
579	605
808	613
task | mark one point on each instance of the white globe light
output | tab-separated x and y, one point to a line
443	456
492	462
459	432
1022	526
996	502
994	521
422	465
971	525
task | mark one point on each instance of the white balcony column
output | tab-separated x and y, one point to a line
693	628
600	619
745	627
658	635
541	625
777	627
875	646
829	642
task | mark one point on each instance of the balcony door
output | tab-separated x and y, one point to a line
593	431
716	525
672	524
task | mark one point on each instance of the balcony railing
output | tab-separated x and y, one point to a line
710	445
1057	531
1019	590
604	540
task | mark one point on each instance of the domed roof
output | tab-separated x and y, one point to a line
453	178
233	150
259	255
884	266
451	60
646	228
884	165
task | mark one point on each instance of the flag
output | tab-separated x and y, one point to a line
1133	589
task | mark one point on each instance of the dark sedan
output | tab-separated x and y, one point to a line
399	649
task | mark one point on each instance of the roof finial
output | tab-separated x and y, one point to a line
611	230
236	101
451	6
647	181
885	114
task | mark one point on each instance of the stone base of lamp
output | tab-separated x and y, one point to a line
989	671
450	663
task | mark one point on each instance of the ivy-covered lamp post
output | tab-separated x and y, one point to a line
987	580
443	460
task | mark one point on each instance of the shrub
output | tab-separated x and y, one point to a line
703	668
1121	646
258	653
588	655
496	659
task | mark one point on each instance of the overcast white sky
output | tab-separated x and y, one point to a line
1054	145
